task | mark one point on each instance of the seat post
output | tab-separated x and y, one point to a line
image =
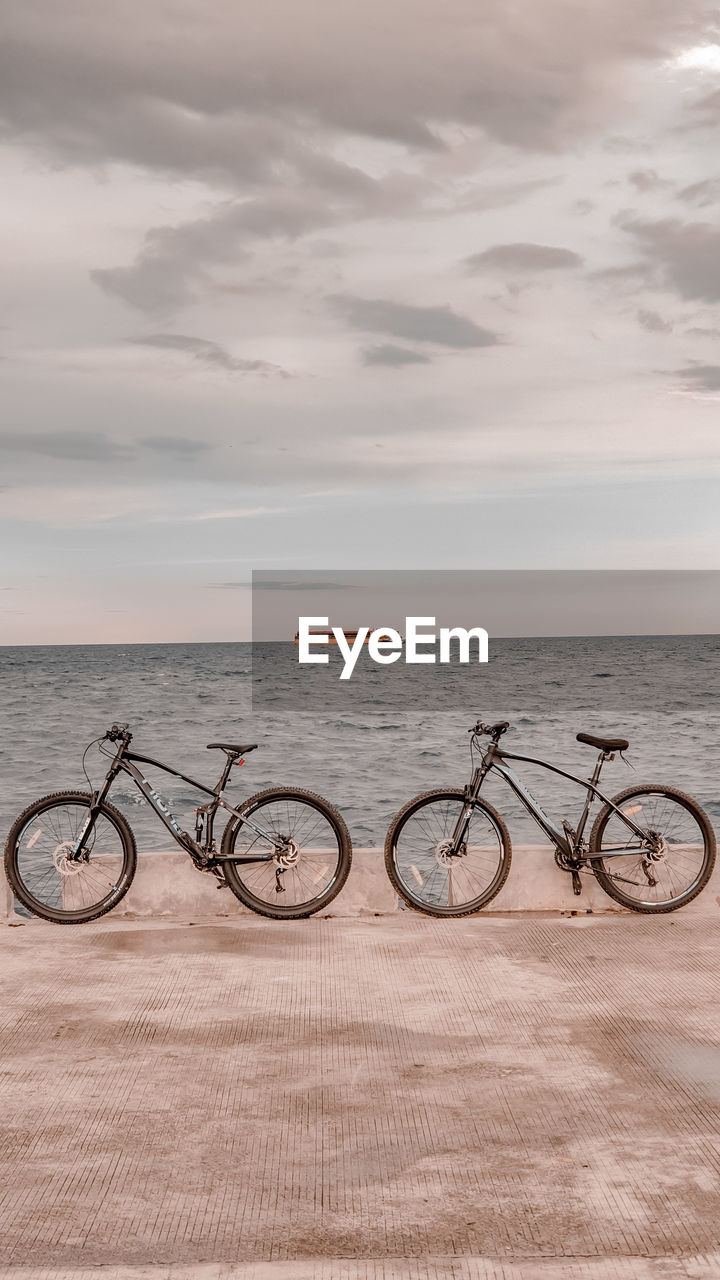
225	773
598	766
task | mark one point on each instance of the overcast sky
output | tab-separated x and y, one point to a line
412	284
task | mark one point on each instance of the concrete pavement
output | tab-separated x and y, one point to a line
511	1098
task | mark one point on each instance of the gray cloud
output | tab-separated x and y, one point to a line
271	584
682	256
706	110
175	262
71	446
700	377
703	331
177	446
523	257
647	180
440	325
89	83
208	353
393	357
258	105
701	193
501	194
653	322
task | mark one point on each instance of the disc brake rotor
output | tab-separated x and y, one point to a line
66	865
289	856
444	854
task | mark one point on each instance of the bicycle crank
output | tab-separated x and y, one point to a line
563	863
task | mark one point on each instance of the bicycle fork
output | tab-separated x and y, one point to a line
459	835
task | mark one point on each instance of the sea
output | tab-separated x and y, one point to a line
395	733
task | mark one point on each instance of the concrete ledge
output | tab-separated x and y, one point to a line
167	884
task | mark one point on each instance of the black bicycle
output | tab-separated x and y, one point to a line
651	848
71	856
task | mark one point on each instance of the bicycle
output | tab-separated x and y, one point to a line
448	853
71	856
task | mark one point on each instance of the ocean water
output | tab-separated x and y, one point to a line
368	749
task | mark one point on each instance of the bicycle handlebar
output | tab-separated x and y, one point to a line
119	733
492	730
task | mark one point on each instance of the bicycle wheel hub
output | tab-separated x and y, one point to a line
289	854
444	852
64	863
657	847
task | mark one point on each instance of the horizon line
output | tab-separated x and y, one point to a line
581	635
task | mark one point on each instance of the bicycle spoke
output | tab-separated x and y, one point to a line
674	852
430	872
50	876
313	854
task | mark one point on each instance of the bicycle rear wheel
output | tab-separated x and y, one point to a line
428	877
45	876
308	874
667	867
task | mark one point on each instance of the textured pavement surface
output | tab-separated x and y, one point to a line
392	1099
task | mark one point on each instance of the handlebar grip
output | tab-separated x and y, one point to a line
117	731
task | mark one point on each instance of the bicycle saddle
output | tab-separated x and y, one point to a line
604	744
232	748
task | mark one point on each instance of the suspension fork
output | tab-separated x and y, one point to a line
471	794
95	806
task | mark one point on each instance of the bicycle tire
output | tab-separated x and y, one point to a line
42	910
603	874
344	856
403	891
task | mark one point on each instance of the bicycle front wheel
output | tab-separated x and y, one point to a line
44	874
666	866
425	871
310	869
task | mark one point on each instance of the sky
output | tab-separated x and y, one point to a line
349	285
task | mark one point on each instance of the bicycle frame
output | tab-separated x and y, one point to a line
569	842
126	761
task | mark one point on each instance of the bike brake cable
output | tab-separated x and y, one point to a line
89	745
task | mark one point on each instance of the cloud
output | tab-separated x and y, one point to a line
701	193
269	107
238	513
175	262
706	110
71	446
177	446
393	357
232	95
700	377
523	257
258	584
682	256
440	325
208	353
653	322
499	195
272	584
647	180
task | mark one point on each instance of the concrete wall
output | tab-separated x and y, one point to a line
167	884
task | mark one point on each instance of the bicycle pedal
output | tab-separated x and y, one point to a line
576	883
